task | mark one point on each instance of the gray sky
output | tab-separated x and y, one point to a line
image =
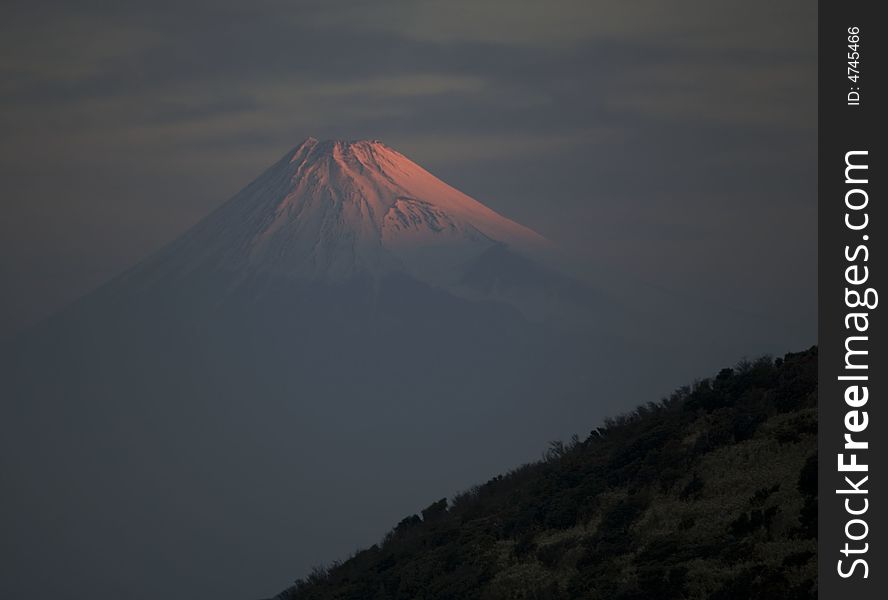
669	147
673	143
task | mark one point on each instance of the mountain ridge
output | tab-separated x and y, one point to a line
709	494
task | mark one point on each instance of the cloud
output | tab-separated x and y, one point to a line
714	92
67	48
720	24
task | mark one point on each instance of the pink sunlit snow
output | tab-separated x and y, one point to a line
330	210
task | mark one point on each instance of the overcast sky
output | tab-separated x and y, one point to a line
669	142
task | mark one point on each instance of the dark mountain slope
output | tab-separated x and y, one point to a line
710	493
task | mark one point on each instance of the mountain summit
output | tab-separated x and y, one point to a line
331	210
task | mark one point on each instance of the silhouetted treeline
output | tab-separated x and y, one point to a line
708	494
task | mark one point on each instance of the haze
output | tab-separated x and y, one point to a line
669	152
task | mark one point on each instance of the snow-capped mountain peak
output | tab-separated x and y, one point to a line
334	209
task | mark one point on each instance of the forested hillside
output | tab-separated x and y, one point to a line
707	494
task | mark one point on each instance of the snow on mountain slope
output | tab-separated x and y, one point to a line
331	210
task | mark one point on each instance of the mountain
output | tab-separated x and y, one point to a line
709	494
281	381
335	211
